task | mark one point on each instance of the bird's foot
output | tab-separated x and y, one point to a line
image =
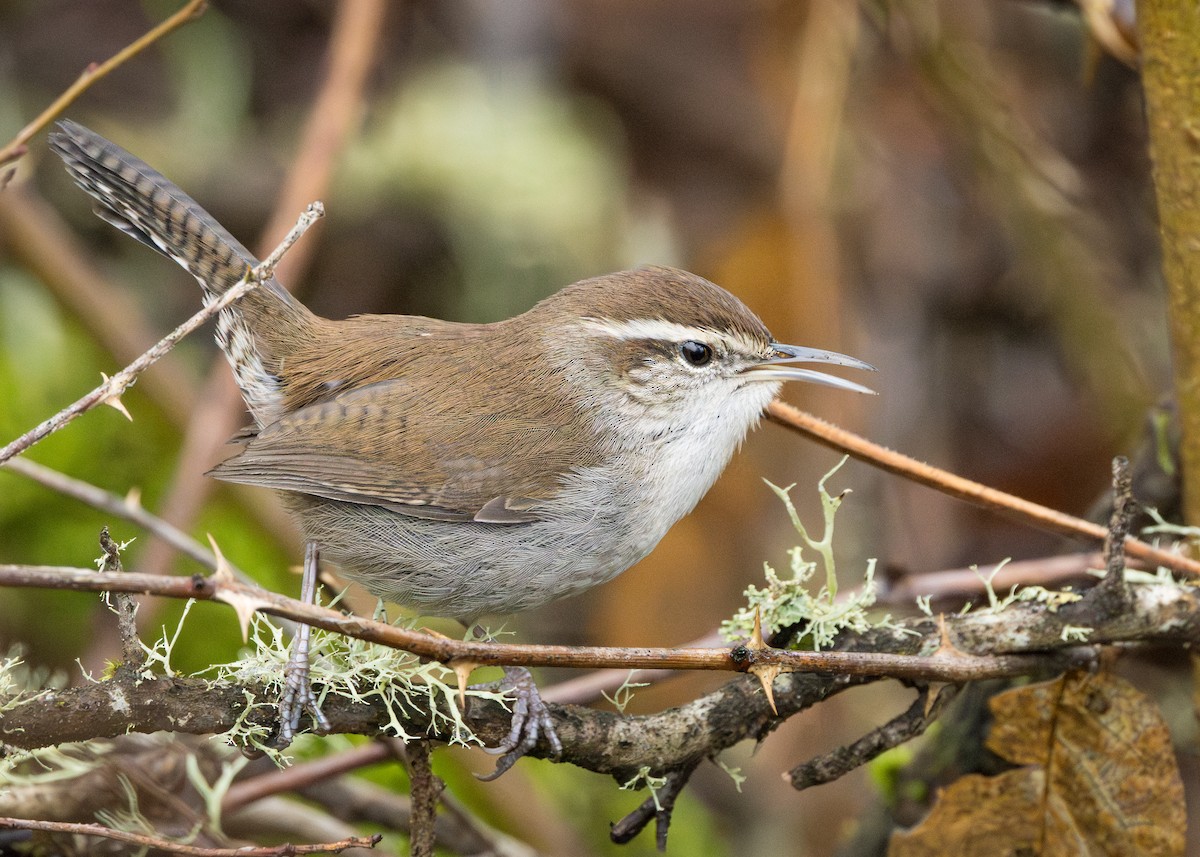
298	696
530	721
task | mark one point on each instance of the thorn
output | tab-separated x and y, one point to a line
945	644
463	670
766	675
133	499
224	573
243	604
115	402
931	694
756	637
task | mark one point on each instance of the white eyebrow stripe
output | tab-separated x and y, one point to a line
650	328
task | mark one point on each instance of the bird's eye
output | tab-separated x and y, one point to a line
695	353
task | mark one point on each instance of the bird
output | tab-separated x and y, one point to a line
466	469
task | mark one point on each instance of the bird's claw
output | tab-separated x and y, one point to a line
530	721
298	696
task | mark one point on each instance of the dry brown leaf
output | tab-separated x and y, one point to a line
980	816
1101	779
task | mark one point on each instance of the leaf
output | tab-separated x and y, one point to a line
1100	779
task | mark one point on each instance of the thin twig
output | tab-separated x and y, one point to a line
1113	585
1051	572
15	149
110	391
913	722
964	489
425	790
143	841
298	776
659	806
128	508
265	269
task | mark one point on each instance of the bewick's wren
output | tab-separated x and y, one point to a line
472	468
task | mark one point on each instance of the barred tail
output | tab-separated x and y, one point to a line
140	201
256	333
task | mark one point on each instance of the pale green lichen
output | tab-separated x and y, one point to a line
1052	598
735	774
49	764
623	695
213	794
352	669
644	779
20	683
158	655
1076	633
130	819
787	601
994	603
13	681
1162	527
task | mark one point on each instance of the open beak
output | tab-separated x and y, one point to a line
775	368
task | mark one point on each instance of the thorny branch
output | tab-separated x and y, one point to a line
954	485
904	663
604	742
16	148
143	841
109	393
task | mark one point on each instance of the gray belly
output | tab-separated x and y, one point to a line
467	569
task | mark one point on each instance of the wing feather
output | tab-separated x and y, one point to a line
428	468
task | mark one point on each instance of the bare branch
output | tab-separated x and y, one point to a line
425	790
110	391
658	807
913	722
19	144
1034	514
143	841
1114	586
128	508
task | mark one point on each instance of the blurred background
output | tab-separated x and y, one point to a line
957	192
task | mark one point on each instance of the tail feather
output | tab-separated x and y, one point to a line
255	334
141	202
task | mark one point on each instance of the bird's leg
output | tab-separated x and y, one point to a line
298	695
530	719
